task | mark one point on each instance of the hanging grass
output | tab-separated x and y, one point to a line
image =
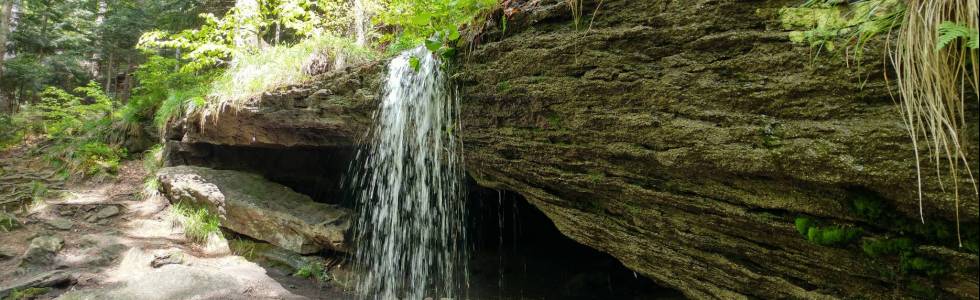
936	69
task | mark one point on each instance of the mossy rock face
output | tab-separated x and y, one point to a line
713	131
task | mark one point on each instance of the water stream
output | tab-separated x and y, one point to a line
409	190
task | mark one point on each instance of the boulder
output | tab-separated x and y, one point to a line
41	251
250	205
41	280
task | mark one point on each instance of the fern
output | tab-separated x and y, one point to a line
949	32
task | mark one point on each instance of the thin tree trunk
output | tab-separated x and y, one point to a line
108	75
6	12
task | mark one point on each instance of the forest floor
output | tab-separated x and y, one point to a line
106	241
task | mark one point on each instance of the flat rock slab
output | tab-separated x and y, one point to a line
106	212
40	280
227	277
253	206
60	223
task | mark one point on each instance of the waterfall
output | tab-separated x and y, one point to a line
408	187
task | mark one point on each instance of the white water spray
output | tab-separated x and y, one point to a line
408	183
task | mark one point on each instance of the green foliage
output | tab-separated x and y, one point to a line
803	224
166	91
198	223
8	222
920	290
10	134
824	24
242	247
278	66
887	247
76	128
433	23
219	40
834	235
872	208
28	293
924	266
314	270
39	191
949	32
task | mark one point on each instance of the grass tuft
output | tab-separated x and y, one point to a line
314	270
198	223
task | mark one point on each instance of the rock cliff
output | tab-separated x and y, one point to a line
688	139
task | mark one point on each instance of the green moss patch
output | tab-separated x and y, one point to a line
28	293
833	235
873	209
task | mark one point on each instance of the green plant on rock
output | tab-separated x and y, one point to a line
8	222
28	293
243	247
198	223
932	268
834	235
824	24
887	247
314	270
873	209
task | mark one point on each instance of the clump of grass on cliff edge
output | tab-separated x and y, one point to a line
277	66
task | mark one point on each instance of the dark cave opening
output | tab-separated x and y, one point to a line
518	253
315	172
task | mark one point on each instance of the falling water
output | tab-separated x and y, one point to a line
411	217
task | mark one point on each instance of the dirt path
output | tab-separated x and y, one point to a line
107	241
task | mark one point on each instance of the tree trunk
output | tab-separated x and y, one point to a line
108	75
6	12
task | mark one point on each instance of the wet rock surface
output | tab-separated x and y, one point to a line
250	205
